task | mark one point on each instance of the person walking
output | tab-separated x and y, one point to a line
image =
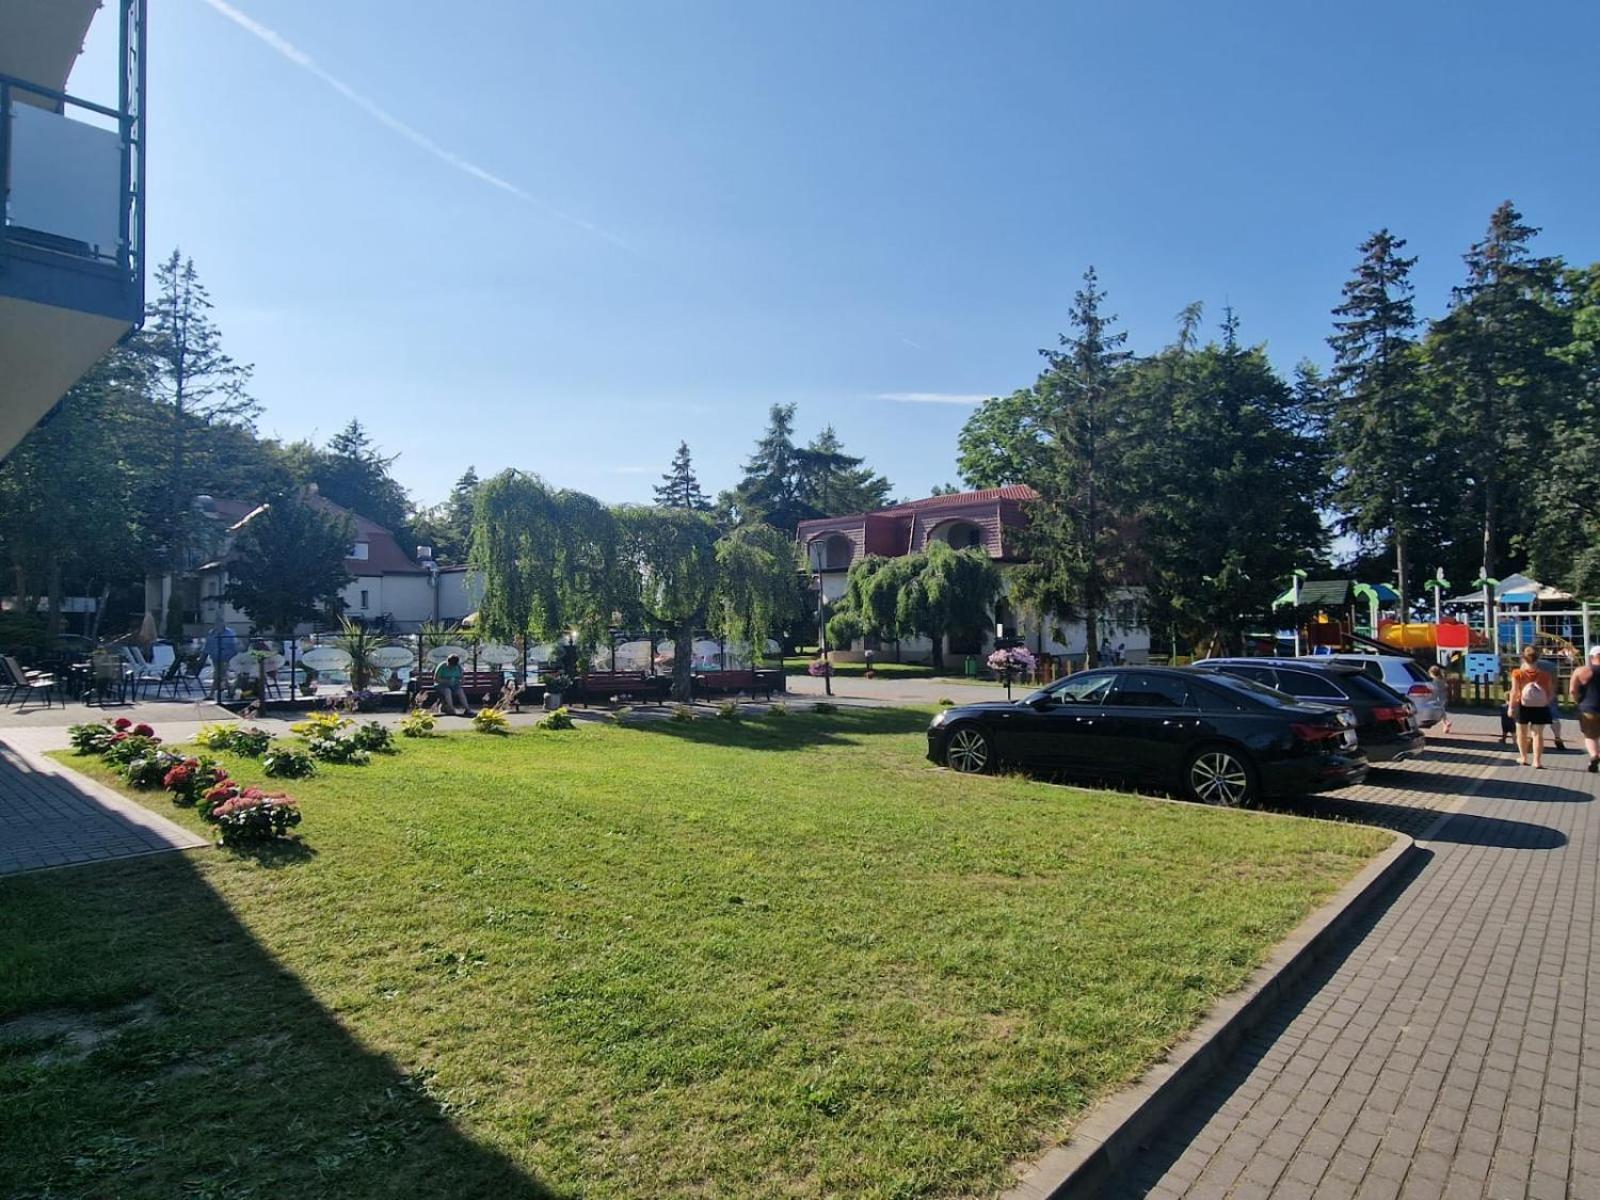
1441	689
447	681
1552	667
1531	692
1585	690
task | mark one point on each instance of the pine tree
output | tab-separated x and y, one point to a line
1076	540
352	472
198	386
1500	375
771	488
1378	428
835	483
680	487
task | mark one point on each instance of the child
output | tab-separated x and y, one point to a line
1441	689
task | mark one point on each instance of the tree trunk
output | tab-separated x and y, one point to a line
1091	637
1402	566
99	611
938	651
683	663
1490	517
52	620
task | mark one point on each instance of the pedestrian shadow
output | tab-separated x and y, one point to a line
1517	786
1144	1169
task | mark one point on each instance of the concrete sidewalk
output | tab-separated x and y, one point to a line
1451	1044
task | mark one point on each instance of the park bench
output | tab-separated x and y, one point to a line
724	683
481	687
602	686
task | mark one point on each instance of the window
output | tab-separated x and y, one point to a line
363	598
1142	690
359	551
1265	676
1087	688
1309	683
1127	615
832	553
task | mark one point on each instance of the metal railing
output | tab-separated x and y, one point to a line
127	256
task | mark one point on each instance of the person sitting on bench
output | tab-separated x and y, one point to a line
447	682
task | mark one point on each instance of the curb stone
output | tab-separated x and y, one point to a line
1114	1129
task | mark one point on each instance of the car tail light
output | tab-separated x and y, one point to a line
1316	733
1419	689
1392	714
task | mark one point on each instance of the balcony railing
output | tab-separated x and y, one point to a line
72	172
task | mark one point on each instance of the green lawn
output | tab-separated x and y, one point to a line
888	670
786	958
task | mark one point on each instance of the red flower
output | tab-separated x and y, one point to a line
143	730
119	737
121	723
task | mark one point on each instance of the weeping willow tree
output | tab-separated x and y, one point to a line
758	587
548	560
669	560
937	593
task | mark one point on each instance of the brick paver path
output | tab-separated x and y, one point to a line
1450	1047
50	818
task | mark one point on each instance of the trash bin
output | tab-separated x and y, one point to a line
970	667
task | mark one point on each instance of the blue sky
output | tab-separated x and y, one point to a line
561	237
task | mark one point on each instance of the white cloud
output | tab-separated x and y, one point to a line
382	115
966	398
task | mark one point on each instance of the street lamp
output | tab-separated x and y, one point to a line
822	638
1002	644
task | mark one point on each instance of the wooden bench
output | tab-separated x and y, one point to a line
723	683
484	687
603	685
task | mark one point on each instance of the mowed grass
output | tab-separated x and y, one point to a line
785	958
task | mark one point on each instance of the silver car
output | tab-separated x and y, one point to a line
1400	674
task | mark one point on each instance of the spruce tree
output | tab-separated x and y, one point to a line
771	488
679	487
1500	376
835	483
1377	426
1076	540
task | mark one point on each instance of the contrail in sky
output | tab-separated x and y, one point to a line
384	117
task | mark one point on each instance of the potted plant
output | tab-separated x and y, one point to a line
556	685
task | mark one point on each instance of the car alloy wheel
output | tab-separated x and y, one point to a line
968	751
1218	777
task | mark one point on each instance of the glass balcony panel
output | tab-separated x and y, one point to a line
66	183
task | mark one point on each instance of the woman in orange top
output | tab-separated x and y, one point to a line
1532	692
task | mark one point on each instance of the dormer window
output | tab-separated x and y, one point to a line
359	551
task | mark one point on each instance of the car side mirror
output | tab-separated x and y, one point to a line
1040	701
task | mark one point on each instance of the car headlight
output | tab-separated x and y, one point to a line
939	719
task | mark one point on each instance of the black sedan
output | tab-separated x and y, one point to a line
1386	725
1217	738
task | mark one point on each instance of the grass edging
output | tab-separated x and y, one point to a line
1114	1129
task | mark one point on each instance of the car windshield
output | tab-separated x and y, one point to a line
1076	689
1251	688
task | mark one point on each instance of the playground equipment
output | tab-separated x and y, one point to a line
1411	636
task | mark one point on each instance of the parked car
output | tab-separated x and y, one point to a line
1386	725
1217	738
1400	673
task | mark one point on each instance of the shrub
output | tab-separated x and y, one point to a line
682	712
252	742
125	747
215	737
324	723
780	709
729	710
619	715
206	806
559	718
255	816
286	762
191	778
946	702
489	719
824	709
93	738
373	736
419	722
150	770
338	750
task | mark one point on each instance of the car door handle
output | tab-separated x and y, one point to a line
1083	720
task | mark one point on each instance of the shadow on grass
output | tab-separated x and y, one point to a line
233	1071
1142	1173
848	726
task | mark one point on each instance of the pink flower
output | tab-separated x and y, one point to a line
144	730
122	723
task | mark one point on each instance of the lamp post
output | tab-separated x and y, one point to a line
1294	605
822	638
1000	643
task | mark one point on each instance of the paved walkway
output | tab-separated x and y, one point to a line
1450	1047
52	818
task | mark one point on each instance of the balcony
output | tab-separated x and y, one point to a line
71	205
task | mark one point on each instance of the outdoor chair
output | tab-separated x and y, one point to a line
173	678
26	683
